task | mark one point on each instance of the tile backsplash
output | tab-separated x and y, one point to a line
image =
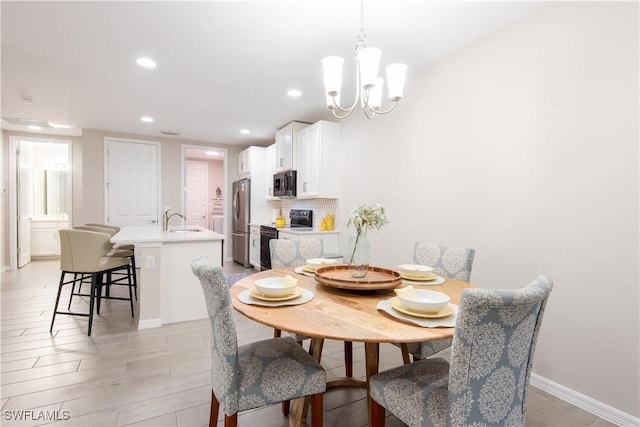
320	208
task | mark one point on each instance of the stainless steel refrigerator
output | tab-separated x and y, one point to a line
241	216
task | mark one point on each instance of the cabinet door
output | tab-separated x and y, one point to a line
254	250
288	236
309	161
284	148
44	242
269	167
244	162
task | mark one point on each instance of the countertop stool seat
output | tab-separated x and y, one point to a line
83	254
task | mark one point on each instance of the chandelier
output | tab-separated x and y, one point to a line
368	84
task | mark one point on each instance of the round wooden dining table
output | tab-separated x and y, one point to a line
343	315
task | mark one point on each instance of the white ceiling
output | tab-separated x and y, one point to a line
222	66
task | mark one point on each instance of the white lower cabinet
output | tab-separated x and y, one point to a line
329	239
45	239
254	246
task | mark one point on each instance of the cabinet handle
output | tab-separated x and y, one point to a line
281	159
304	186
270	191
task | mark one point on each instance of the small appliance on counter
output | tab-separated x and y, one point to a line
301	219
284	184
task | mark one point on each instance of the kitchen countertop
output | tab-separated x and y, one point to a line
295	231
154	233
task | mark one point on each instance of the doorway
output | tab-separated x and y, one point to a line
40	204
211	191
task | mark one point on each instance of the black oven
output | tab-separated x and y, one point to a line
266	234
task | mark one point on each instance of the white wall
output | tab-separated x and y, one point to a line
524	146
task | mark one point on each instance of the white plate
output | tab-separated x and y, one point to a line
301	270
443	312
438	281
257	294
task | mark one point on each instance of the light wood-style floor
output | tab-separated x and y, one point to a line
122	376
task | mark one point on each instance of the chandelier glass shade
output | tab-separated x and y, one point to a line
369	86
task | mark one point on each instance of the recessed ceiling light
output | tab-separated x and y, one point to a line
211	153
245	131
294	93
59	126
34	127
147	119
146	62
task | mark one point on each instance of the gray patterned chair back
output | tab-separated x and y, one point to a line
446	261
224	340
492	354
293	253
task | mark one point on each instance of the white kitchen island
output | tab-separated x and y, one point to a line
167	289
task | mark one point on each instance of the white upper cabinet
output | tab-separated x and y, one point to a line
269	167
318	161
287	146
251	162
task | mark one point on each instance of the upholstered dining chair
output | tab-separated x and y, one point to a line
295	253
257	374
486	381
83	253
447	261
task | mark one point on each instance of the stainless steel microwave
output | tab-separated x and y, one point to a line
284	184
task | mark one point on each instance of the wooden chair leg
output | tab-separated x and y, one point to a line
231	421
215	407
348	359
316	410
405	353
376	415
286	405
277	333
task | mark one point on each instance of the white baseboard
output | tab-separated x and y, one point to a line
149	323
587	403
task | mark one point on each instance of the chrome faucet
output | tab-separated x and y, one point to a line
167	217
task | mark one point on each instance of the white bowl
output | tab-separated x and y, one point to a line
315	263
275	286
416	270
424	301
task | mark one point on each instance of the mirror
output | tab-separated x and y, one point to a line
55	192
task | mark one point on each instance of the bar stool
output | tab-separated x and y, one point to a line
130	247
83	253
114	252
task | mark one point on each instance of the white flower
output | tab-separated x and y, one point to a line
367	217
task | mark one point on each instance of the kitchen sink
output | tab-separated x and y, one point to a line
186	230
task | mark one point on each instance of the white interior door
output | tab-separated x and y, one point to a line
197	192
25	206
132	182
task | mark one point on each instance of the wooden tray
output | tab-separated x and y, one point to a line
339	276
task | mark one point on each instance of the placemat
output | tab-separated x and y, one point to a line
447	322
